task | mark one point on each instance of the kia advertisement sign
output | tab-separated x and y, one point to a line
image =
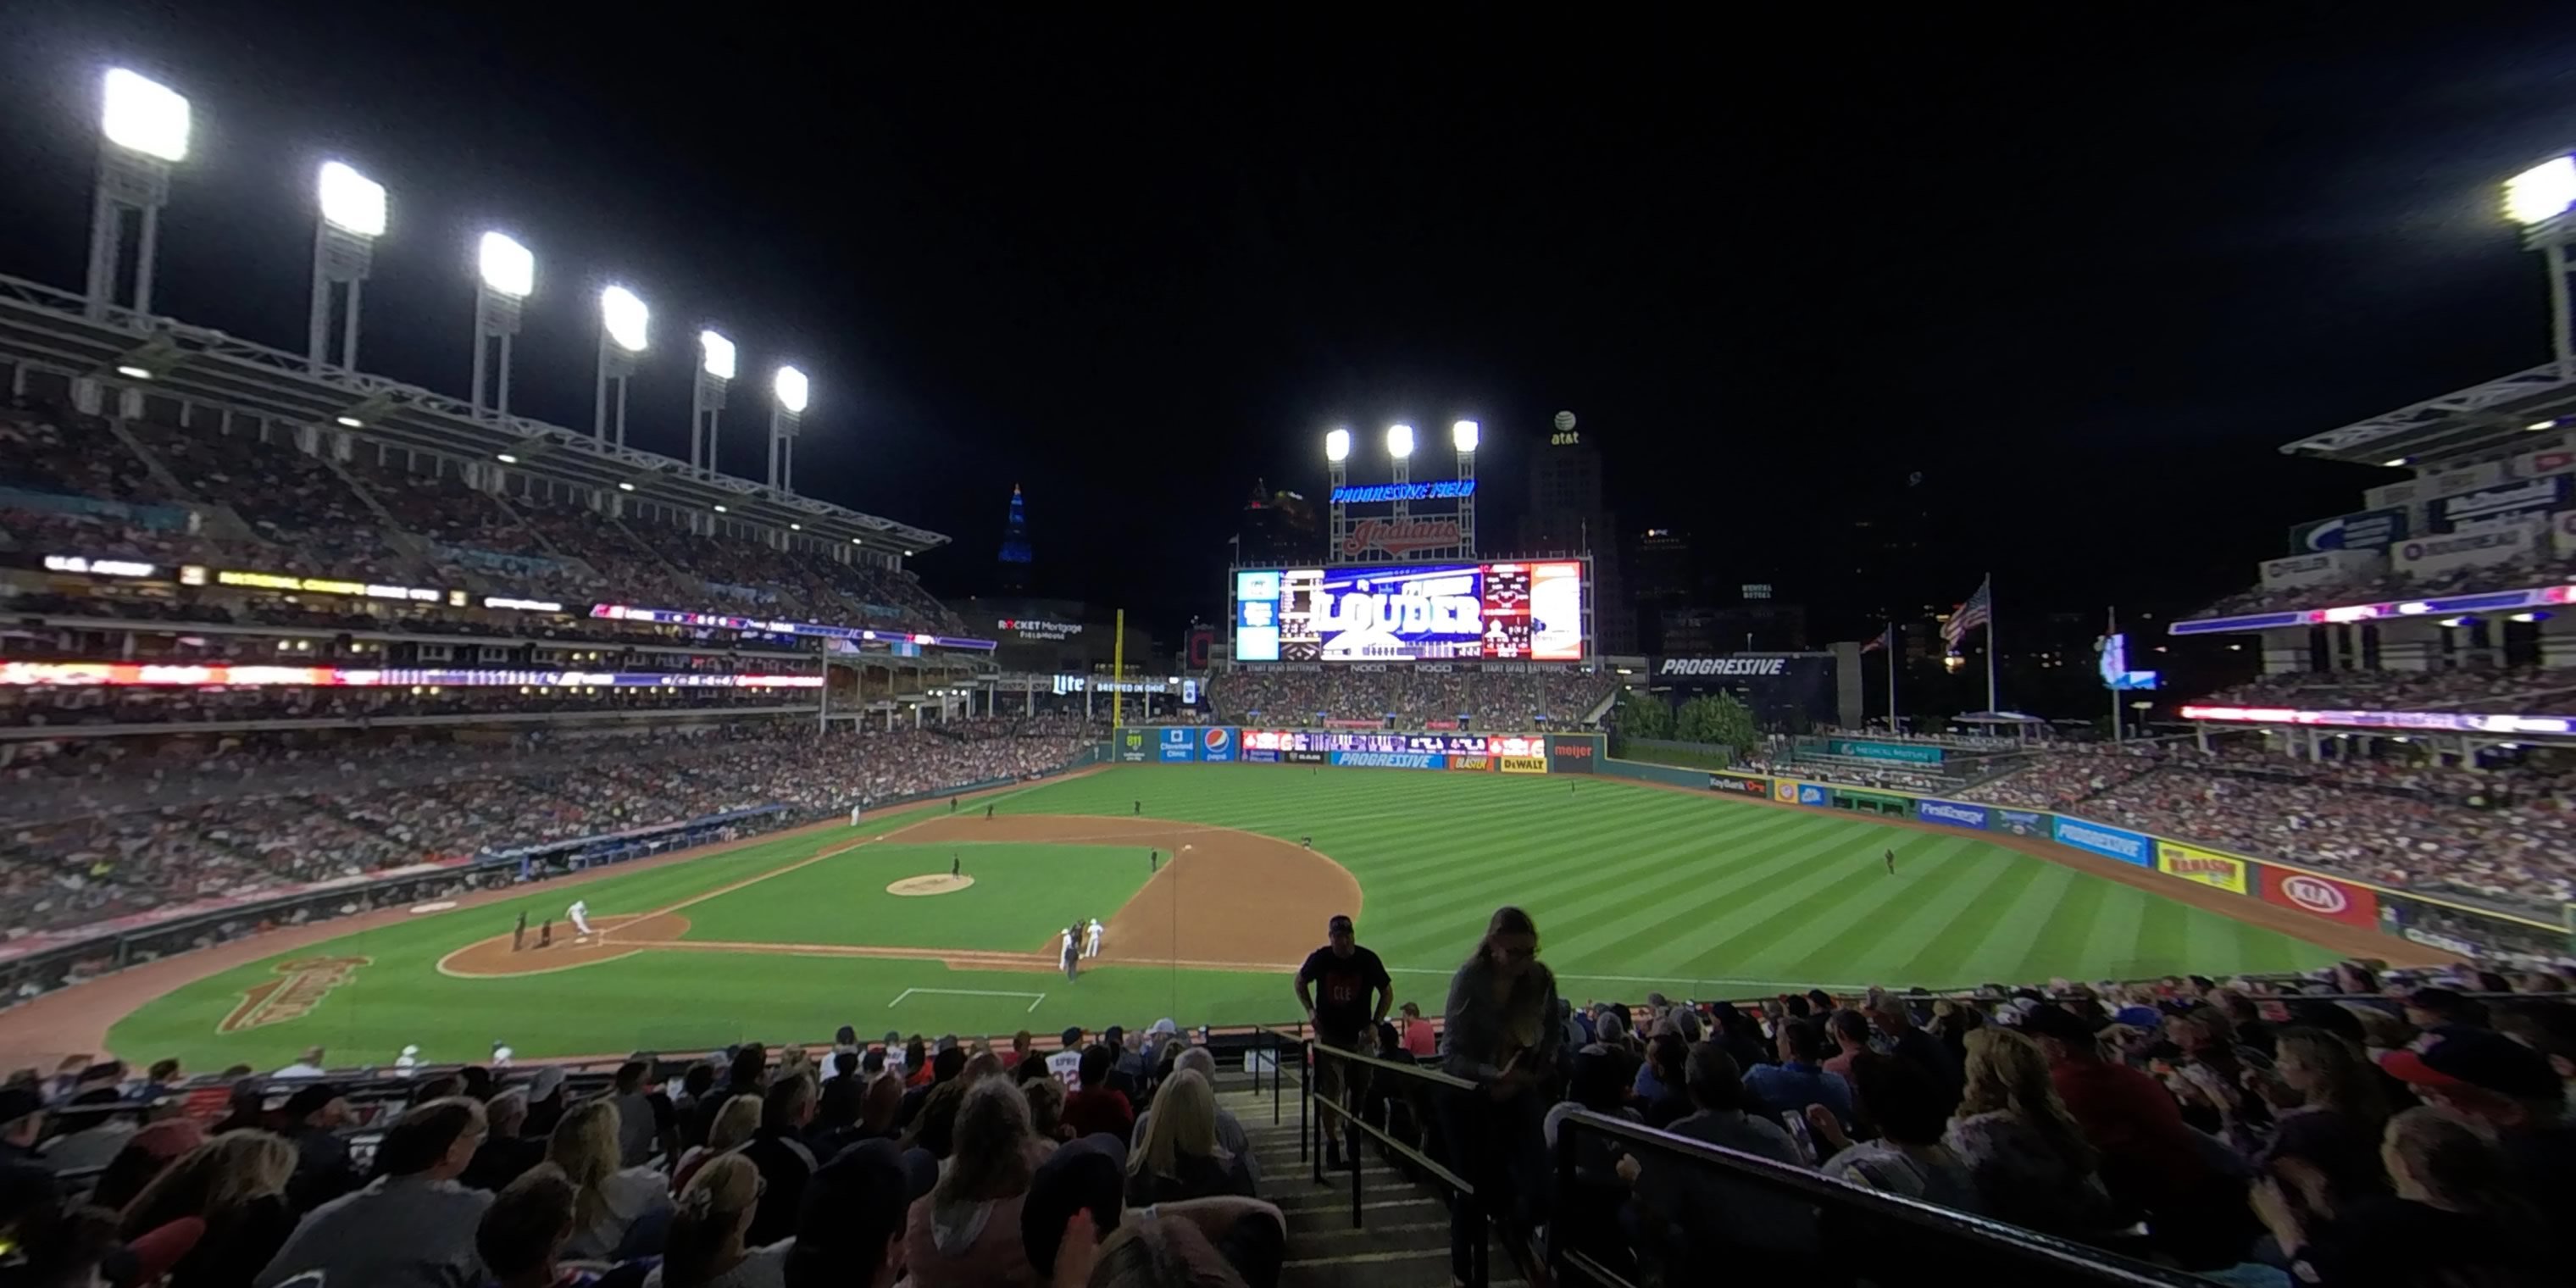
1952	814
1216	746
1740	785
2318	896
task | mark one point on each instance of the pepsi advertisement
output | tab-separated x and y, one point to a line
1494	612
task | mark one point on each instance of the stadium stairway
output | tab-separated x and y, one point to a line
1405	1243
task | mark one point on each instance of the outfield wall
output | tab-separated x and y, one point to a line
2434	922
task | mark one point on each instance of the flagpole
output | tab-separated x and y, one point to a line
1992	703
1892	726
2110	628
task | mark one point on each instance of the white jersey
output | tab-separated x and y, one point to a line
578	910
1066	1067
1068	940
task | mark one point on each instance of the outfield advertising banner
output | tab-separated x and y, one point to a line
2021	822
1814	794
1896	753
1572	753
1522	764
1472	764
1131	746
1261	755
1217	745
1740	785
1306	757
1870	802
1446	744
2109	842
1952	813
1179	746
1390	759
2210	869
2321	897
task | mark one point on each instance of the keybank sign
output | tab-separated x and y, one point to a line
1724	666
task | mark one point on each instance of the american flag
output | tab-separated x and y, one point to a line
1978	611
1886	639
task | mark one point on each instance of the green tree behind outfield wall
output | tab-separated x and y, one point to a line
1643	715
1717	719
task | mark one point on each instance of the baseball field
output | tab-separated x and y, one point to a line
1210	892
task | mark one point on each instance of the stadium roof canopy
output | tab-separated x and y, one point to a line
51	327
2478	418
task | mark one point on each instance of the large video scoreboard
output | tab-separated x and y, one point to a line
1529	611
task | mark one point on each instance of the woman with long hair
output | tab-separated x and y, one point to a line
1503	1036
2031	1162
2455	1218
965	1233
608	1201
1176	1154
705	1248
2330	1110
236	1184
732	1125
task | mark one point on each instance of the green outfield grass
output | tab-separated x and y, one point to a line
1022	895
1633	888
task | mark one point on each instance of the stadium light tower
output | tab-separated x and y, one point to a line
344	240
2541	199
505	275
1337	470
1464	435
785	412
624	323
715	371
143	130
1399	449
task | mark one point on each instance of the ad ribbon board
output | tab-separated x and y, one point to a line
2321	897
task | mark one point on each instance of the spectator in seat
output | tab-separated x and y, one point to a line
236	1184
1177	1156
524	1233
1099	1108
836	1115
99	1136
145	1156
2508	1091
1503	1036
884	1100
2029	1161
639	1122
1419	1036
2455	1218
733	1124
1592	1217
696	1086
1850	1032
778	1150
1912	1110
1916	1047
1686	1215
1799	1080
850	1234
708	1247
609	1202
1230	1135
965	1233
311	1121
411	1227
2328	1110
1665	1070
2152	1162
1046	1108
505	1153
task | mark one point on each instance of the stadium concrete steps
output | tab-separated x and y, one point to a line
1404	1239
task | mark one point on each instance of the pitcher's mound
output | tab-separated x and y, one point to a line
936	883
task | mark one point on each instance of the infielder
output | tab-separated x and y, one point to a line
1072	961
855	812
1091	939
579	915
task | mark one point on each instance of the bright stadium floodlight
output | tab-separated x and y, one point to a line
144	116
715	355
352	202
1399	441
507	267
1337	445
792	393
792	389
623	315
1463	434
2543	192
144	125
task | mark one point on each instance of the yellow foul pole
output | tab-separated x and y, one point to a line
1118	672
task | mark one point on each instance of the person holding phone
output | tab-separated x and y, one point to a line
1503	1036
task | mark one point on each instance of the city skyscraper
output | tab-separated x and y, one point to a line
1017	559
1566	512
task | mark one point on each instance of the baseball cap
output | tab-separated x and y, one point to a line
2056	1022
310	1097
1340	922
2479	1058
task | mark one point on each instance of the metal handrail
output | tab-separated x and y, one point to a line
1312	1125
2092	1265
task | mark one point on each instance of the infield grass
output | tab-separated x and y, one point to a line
1633	888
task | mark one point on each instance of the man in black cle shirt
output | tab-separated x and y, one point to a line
1346	992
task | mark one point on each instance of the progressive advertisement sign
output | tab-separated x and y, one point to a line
2109	842
1524	612
1953	813
2209	869
1391	759
1780	688
1571	754
2319	896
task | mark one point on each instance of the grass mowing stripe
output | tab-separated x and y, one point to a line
2116	928
1601	923
1478	855
1946	954
1781	914
1758	959
1937	884
2064	927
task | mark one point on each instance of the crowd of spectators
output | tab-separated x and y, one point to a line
2538	566
1101	1159
2067	773
1416	698
2516	690
72	708
111	834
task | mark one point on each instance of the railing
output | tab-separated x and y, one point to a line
1860	1233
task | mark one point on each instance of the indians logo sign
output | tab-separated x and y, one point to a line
307	980
1401	536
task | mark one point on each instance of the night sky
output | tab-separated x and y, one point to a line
2084	278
